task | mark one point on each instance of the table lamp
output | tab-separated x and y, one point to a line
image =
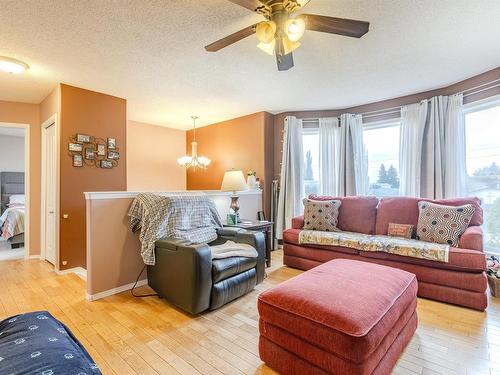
234	181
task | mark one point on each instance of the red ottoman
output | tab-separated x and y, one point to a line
342	317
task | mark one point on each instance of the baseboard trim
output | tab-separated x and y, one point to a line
110	292
80	271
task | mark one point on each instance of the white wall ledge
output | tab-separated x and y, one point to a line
96	195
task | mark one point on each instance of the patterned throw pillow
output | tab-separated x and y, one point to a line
321	215
443	224
400	230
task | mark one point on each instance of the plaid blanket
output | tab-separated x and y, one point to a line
193	218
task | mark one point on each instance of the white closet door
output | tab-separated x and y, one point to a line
50	199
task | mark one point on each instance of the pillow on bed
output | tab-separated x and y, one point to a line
16	200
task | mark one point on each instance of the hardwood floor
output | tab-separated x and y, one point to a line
127	335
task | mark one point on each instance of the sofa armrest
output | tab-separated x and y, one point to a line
249	237
472	238
182	274
298	222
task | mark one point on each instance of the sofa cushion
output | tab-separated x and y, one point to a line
356	214
317	305
292	236
442	224
321	215
227	267
404	210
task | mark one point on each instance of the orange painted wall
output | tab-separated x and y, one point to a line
242	143
24	113
152	153
99	115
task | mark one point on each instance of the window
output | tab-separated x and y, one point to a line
482	127
382	148
311	160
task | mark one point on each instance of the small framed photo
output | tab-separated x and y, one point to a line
107	164
232	219
83	138
101	149
114	155
111	143
261	216
77	160
89	153
75	147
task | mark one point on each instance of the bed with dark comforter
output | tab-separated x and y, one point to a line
37	343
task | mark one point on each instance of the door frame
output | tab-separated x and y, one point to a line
52	120
27	181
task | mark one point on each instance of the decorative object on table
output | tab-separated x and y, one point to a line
194	161
257	183
493	272
400	230
77	160
101	149
265	227
87	150
83	138
89	153
251	180
111	143
231	219
261	216
75	147
234	181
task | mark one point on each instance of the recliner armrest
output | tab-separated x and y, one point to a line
182	274
472	238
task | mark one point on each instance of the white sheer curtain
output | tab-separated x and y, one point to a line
292	179
353	171
329	155
455	171
410	147
432	148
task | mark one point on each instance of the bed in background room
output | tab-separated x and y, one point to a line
12	207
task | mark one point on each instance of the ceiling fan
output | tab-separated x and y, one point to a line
281	32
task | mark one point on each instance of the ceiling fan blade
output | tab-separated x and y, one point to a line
332	25
230	39
252	5
284	62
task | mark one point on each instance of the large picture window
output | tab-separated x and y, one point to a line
311	160
482	126
382	147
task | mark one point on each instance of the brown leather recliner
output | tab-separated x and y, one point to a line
186	276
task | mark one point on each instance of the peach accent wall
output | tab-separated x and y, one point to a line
25	113
152	153
99	115
243	143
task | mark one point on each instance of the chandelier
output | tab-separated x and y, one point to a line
194	161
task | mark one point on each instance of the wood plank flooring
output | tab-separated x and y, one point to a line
127	335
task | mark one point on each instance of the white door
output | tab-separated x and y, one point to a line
50	191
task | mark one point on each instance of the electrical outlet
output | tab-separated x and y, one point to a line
65	216
65	262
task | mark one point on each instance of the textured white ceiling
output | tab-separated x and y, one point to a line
151	53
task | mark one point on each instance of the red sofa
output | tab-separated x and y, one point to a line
461	281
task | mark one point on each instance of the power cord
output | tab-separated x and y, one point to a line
135	284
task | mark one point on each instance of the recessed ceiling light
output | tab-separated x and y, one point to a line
12	66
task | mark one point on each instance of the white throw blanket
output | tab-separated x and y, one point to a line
233	249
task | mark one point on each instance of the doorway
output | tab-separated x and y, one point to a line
14	191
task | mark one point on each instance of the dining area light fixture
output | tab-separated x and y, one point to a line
194	161
12	66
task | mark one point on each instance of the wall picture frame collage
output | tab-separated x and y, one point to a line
88	150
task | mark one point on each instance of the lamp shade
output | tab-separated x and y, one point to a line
234	181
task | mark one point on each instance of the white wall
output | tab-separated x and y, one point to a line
11	153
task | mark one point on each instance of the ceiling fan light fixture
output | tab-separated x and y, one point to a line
295	28
268	47
289	46
266	31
